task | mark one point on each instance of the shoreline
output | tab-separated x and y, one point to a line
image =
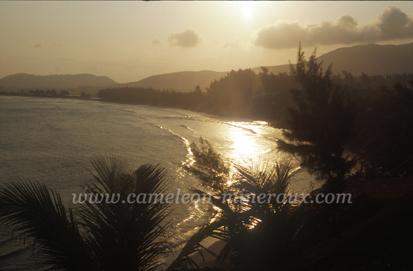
97	99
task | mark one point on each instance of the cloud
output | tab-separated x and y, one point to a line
186	39
392	24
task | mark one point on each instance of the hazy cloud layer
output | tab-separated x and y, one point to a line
392	24
231	45
186	39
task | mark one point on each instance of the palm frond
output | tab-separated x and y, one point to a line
127	236
270	180
238	214
34	211
193	245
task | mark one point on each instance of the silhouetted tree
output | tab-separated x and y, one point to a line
197	90
64	93
320	123
384	131
233	94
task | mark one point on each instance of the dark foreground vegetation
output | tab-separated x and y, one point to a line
352	133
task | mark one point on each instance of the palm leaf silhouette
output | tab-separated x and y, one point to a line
98	236
236	218
35	211
129	233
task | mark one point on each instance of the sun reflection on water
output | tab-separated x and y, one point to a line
245	146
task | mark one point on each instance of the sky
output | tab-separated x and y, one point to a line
128	41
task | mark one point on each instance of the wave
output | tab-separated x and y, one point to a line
240	126
188	128
189	158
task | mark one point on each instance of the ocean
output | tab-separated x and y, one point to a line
53	141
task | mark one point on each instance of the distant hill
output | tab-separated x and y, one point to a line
72	81
179	81
371	59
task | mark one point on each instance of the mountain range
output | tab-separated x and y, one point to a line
56	81
371	59
184	81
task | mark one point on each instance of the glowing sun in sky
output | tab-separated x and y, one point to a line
247	10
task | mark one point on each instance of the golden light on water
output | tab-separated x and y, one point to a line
244	147
244	144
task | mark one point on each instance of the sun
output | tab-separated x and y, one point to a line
247	10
